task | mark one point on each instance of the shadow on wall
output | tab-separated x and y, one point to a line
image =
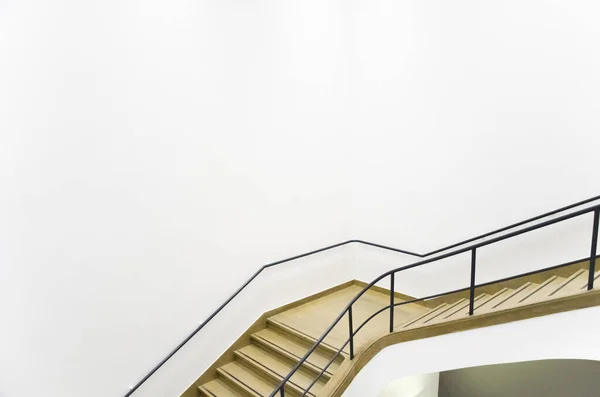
425	385
543	378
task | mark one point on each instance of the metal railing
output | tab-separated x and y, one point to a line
472	249
349	308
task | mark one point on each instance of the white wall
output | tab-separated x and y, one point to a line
471	115
153	155
424	385
149	149
569	335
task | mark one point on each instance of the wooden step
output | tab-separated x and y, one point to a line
294	350
440	317
248	381
541	292
219	388
513	299
596	280
494	299
292	333
463	310
417	322
571	285
277	368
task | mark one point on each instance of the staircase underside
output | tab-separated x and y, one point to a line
258	361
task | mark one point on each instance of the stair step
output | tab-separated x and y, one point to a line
596	277
450	309
571	285
294	350
246	380
278	368
541	292
290	332
416	322
463	310
219	388
494	299
513	299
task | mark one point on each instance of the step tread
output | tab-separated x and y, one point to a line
423	317
514	298
277	368
219	388
596	284
463	310
294	349
494	299
440	316
246	379
306	338
541	292
571	285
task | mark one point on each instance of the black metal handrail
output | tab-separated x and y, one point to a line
237	292
259	271
473	250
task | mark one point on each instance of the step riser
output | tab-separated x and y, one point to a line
513	299
420	319
542	294
307	366
276	376
237	384
323	350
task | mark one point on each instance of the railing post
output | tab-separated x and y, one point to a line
392	302
593	250
351	332
472	288
281	392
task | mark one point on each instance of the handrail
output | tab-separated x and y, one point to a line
240	289
259	271
471	248
517	224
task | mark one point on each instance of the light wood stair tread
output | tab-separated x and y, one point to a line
488	306
219	388
425	316
246	379
463	310
541	291
277	368
571	285
439	317
324	346
293	349
596	277
514	298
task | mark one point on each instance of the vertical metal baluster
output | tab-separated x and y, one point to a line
593	250
281	392
392	302
351	332
472	290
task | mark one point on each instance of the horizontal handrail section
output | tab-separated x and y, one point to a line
363	242
472	249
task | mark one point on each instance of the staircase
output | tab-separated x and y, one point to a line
258	367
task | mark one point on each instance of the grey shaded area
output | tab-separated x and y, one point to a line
544	378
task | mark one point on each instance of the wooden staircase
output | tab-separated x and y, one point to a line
257	367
